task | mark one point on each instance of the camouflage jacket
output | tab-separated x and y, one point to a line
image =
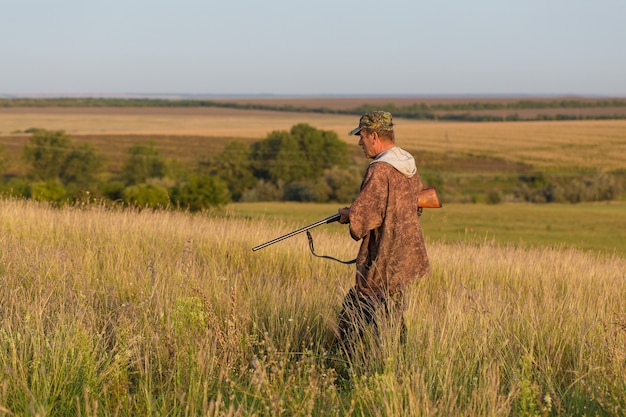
384	216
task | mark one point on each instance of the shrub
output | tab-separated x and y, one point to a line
50	190
234	167
264	191
538	188
81	165
300	191
143	162
113	190
146	195
16	187
494	197
599	187
47	152
3	159
52	155
322	190
344	183
201	192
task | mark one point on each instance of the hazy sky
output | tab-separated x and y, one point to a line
313	47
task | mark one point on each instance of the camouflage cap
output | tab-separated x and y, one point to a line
376	120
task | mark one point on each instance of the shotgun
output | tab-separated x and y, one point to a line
427	198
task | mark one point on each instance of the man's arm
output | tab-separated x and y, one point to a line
345	215
367	211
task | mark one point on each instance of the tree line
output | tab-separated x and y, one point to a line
302	164
461	111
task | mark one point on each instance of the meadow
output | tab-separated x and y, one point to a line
596	227
555	144
123	312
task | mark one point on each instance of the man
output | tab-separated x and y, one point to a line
384	216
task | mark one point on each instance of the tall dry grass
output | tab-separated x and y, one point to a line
108	313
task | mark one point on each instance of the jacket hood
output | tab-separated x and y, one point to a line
398	158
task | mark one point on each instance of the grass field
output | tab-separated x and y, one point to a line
560	145
471	152
126	313
598	227
109	312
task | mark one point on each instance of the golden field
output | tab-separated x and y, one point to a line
580	144
124	313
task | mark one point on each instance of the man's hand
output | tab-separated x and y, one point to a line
345	215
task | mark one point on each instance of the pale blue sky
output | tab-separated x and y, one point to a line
313	47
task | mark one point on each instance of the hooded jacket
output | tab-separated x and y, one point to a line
384	216
398	158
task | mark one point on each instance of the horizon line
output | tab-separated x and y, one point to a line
312	96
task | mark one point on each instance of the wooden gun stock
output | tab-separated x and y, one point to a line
428	198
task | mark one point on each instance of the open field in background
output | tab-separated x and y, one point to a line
199	121
348	103
597	227
189	132
471	152
184	134
129	313
468	153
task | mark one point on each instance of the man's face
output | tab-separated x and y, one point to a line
366	142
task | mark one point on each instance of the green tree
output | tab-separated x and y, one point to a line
201	192
299	191
143	162
16	187
234	167
48	190
278	157
322	149
81	165
3	160
52	156
113	190
302	153
47	152
344	183
146	195
265	191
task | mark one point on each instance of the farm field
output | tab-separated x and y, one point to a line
472	151
348	103
556	144
345	103
126	312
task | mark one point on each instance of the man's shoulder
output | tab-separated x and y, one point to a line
382	168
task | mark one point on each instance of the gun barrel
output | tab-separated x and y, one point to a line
330	219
